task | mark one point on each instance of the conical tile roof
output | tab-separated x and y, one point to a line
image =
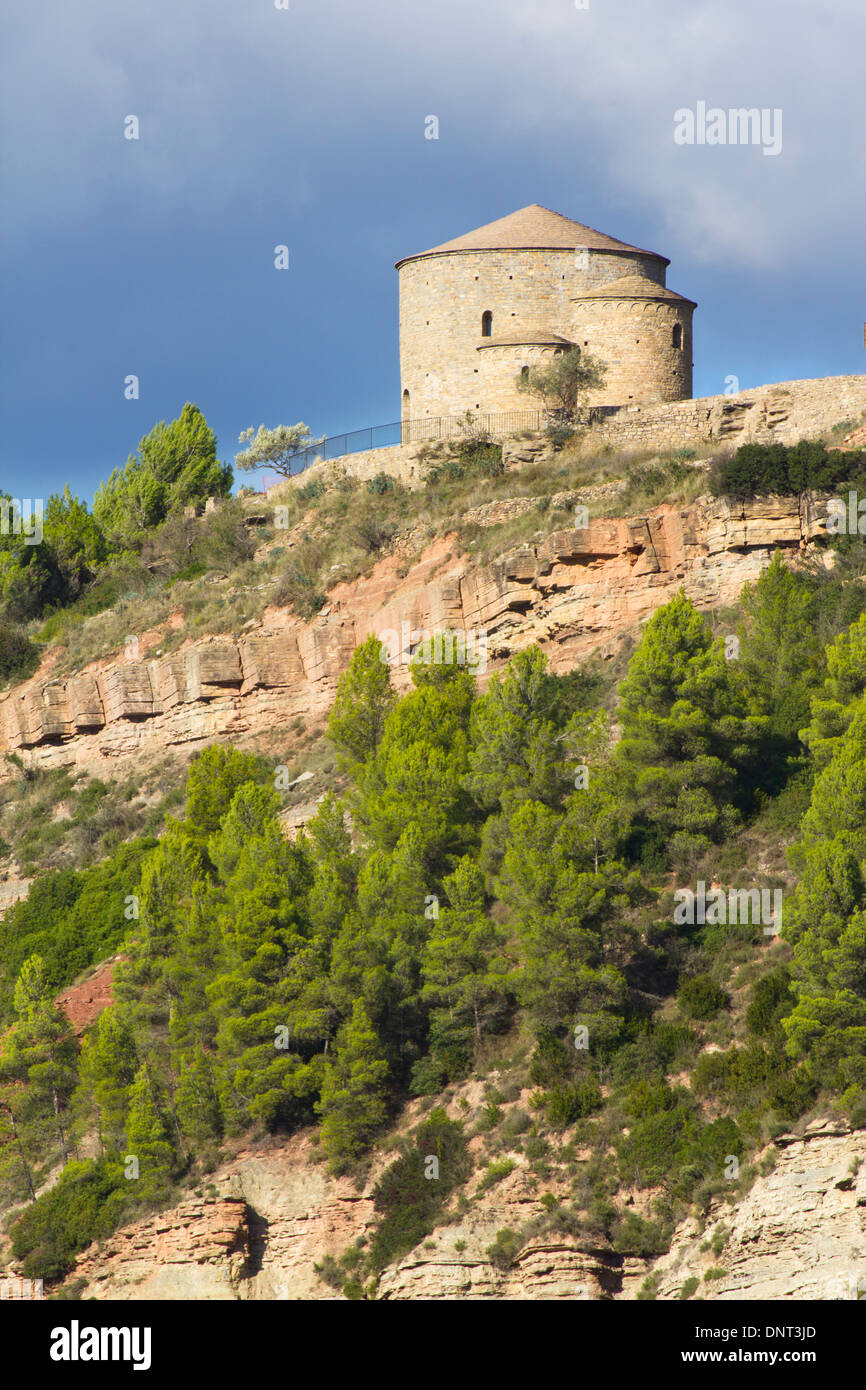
535	228
634	287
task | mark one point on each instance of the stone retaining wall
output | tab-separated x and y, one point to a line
781	413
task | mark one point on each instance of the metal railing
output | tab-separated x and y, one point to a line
431	427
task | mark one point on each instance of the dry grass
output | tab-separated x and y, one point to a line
338	530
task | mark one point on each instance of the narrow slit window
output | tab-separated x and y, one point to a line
678	335
487	323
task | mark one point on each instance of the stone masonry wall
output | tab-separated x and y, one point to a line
409	463
785	412
443	363
634	337
782	413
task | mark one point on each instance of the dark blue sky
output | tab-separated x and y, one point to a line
306	127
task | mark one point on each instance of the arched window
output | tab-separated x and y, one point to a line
487	323
524	372
405	405
678	335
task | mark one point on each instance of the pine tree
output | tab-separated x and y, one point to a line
780	652
213	778
567	916
465	970
352	1102
335	874
108	1067
46	1048
826	920
833	707
145	986
364	697
689	750
377	955
516	751
176	464
416	775
37	1078
597	815
264	958
147	1137
197	1102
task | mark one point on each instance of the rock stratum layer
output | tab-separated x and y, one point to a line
574	592
272	1214
799	1233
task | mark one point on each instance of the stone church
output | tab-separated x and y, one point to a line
477	312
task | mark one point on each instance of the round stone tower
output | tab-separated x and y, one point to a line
477	312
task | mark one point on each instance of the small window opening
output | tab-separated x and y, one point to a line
486	323
678	335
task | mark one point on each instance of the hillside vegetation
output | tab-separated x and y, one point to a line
497	880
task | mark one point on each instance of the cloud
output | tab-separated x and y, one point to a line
223	92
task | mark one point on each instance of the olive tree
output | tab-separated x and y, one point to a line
274	448
562	382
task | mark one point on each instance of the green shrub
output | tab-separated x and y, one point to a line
448	470
505	1249
559	435
649	1288
571	1101
516	1122
406	1199
380	484
772	997
656	1048
674	1148
552	1060
635	1236
689	1287
311	491
786	470
70	1292
300	583
479	456
495	1173
701	998
371	532
719	1240
857	1110
536	1148
430	1075
646	1097
86	1203
18	656
330	1272
761	1076
491	1113
648	846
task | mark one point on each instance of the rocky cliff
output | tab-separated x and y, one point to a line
273	1213
573	592
799	1233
